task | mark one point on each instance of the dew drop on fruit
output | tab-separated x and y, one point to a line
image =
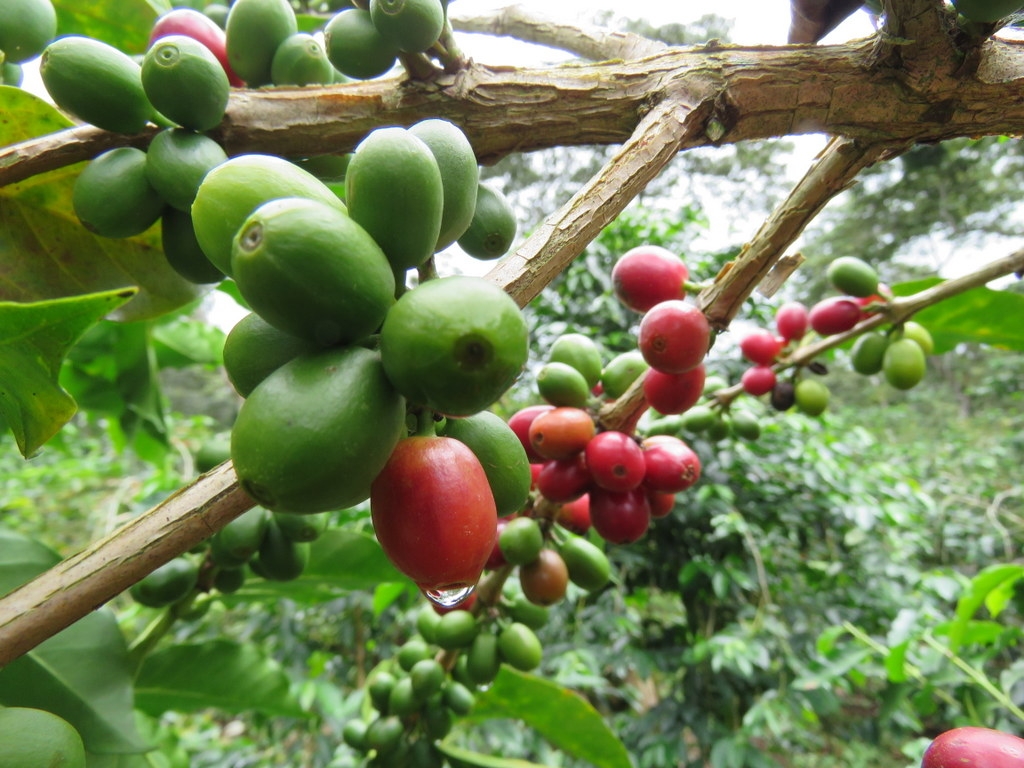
446	598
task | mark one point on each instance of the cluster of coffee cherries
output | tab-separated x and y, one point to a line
271	545
898	353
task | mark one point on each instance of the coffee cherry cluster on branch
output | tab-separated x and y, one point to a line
899	353
183	83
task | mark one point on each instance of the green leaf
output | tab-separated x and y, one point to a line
34	341
21	559
977	316
989	587
81	673
46	253
340	561
188	342
125	24
564	718
233	677
112	370
483	761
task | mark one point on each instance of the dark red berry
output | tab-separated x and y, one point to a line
836	314
758	380
620	517
615	461
672	465
671	393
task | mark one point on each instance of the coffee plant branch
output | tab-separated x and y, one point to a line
594	43
756	93
897	311
83	582
832	172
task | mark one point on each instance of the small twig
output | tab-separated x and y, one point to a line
980	678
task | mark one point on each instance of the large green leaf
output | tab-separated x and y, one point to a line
340	561
233	677
45	252
992	587
81	673
34	339
564	718
125	24
978	316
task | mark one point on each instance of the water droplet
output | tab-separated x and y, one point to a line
448	598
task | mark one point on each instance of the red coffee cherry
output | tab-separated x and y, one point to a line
761	347
620	517
562	480
833	315
615	461
671	393
661	504
674	337
575	515
672	465
434	514
647	275
758	380
791	321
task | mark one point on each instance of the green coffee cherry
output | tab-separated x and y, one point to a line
521	540
301	60
185	82
456	630
519	647
579	351
562	385
356	48
428	677
112	196
493	228
588	565
482	661
412	25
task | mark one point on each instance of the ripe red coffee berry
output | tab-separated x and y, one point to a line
761	347
661	504
615	461
671	465
758	380
672	393
791	321
674	337
974	747
433	513
647	275
575	515
835	314
562	480
620	517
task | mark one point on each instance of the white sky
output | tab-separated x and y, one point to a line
757	22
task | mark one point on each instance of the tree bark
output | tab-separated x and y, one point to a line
857	90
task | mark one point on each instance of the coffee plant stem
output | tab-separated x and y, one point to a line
667	128
596	44
978	677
